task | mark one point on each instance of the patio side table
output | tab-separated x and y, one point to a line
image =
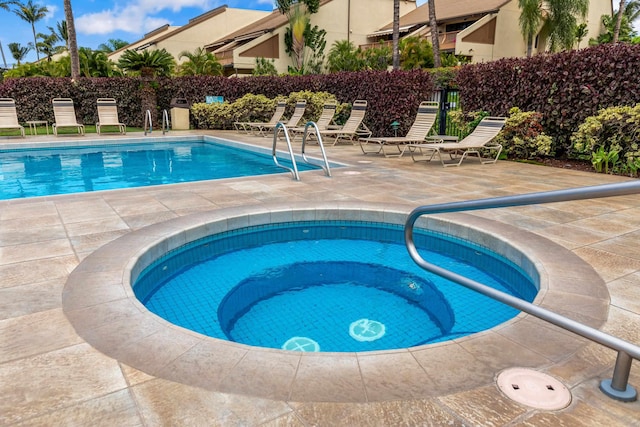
33	126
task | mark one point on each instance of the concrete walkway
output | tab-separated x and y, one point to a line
50	375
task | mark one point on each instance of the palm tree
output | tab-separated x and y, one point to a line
112	45
148	63
396	34
18	51
559	19
343	56
61	31
530	19
616	30
72	42
47	45
5	4
200	63
581	33
31	13
94	63
435	42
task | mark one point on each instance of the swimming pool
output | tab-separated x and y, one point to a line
86	166
337	286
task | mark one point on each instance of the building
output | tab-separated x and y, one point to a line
196	33
482	30
350	20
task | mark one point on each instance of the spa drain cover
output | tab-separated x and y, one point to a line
534	389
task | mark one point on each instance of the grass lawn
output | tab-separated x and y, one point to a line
42	130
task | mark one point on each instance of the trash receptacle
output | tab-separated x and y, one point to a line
179	114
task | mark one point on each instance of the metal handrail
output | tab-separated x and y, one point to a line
165	122
325	167
617	387
276	131
147	122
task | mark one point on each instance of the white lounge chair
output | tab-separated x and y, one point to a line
324	121
353	127
294	120
65	115
108	115
477	142
425	118
260	126
9	115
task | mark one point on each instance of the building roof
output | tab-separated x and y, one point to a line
270	22
447	10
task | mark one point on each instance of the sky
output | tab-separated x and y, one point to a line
98	21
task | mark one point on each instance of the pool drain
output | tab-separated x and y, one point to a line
534	389
366	330
301	344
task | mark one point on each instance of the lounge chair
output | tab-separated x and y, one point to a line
425	118
65	115
296	117
477	142
108	115
324	121
9	115
353	127
260	126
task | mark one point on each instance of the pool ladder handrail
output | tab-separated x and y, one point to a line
147	122
325	165
274	153
294	169
165	121
149	125
617	387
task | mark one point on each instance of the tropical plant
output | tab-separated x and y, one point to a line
94	63
31	13
299	35
625	32
112	45
344	56
61	32
580	33
5	4
377	57
199	63
561	21
264	67
522	136
530	19
148	63
601	159
466	122
18	52
48	45
614	129
415	52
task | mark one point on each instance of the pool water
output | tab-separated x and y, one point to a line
64	170
337	286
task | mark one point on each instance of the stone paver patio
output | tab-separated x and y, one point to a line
53	373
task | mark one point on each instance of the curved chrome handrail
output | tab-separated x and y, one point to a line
325	167
165	122
617	387
276	131
147	122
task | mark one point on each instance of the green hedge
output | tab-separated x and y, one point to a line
566	87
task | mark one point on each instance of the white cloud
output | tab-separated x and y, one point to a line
138	17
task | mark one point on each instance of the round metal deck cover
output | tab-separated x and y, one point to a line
534	389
